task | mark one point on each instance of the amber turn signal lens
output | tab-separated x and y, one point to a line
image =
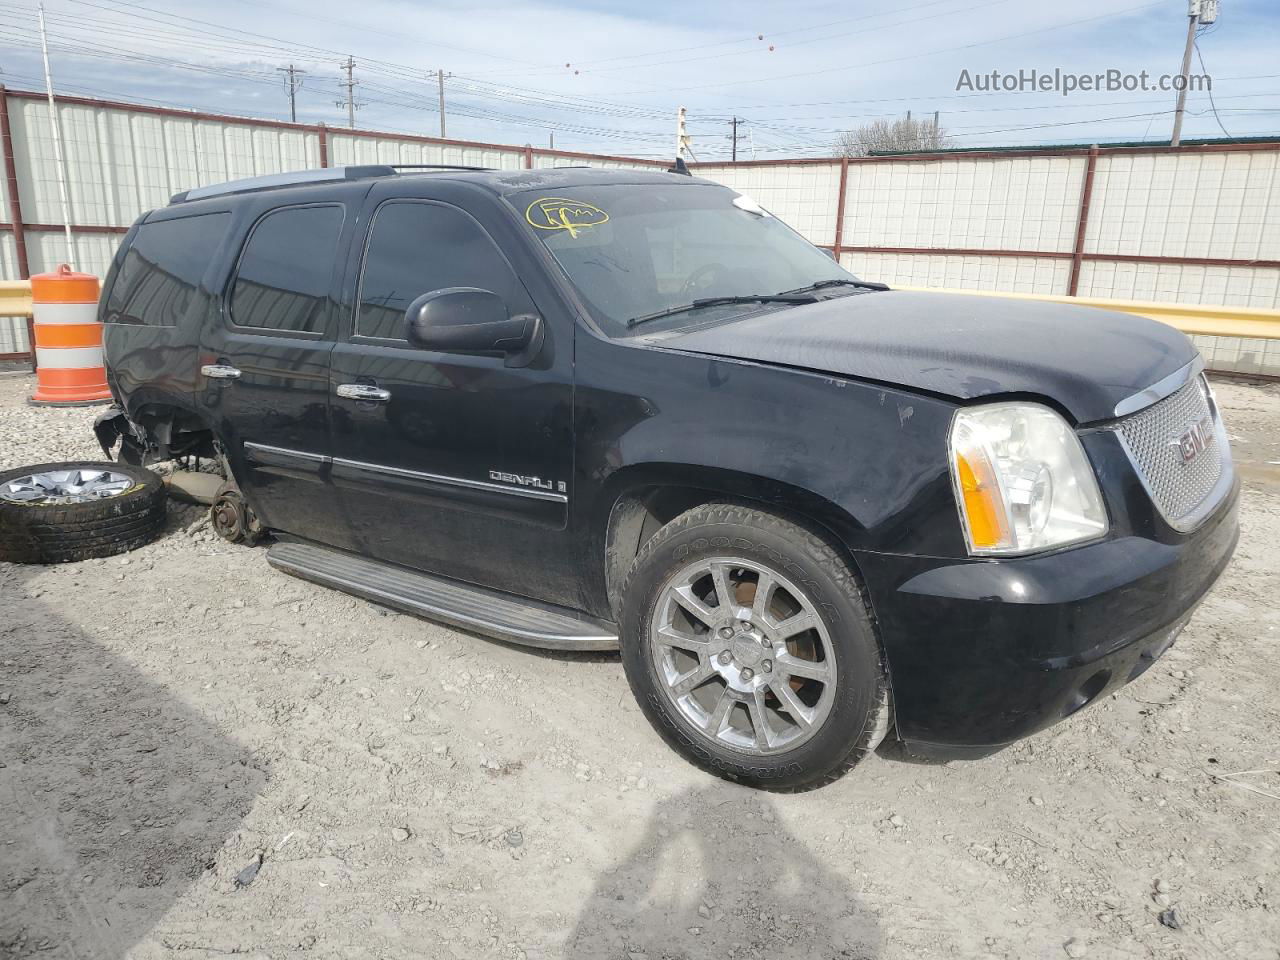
982	505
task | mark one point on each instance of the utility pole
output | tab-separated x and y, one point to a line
55	130
294	82
551	139
734	123
1200	13
1192	18
440	78
350	84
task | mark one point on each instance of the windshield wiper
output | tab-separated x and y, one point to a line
837	282
720	301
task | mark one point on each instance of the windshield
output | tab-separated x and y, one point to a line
635	250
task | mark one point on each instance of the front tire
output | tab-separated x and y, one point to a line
749	646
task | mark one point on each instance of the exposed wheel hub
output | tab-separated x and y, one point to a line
232	518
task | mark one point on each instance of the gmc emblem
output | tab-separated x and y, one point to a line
1192	443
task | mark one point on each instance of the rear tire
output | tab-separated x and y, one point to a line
46	531
783	686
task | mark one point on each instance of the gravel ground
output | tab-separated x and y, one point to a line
171	719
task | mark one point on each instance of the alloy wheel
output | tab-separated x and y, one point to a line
743	655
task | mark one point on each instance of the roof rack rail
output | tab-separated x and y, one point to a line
293	179
437	166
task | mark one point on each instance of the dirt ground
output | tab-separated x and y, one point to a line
170	716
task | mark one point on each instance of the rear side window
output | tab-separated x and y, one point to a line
158	275
286	270
415	248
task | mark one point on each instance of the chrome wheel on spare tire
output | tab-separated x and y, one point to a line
750	649
78	485
58	512
743	655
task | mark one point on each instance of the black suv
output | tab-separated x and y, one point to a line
585	409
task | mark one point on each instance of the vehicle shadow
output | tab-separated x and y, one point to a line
717	874
115	796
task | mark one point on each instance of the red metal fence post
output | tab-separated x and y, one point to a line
844	180
15	201
1082	222
528	157
323	134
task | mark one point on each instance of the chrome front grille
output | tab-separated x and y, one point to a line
1179	487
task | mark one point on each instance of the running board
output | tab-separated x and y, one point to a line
494	614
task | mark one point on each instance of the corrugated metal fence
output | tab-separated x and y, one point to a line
1196	224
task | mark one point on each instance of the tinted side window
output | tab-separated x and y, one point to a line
286	270
157	276
415	248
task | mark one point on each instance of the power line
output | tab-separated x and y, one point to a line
912	56
1211	101
966	10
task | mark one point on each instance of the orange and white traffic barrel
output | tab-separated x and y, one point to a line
69	370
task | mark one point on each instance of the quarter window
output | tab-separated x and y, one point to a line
415	248
286	271
157	276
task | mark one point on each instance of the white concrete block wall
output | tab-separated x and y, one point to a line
1182	283
1021	203
6	211
346	149
1220	205
543	161
1011	274
8	256
13	335
48	248
804	195
121	163
13	330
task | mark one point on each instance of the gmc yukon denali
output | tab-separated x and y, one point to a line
592	409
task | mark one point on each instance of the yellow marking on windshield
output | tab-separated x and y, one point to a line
557	213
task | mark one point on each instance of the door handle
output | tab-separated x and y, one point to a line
363	391
220	371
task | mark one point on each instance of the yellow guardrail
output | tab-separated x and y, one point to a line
1194	319
15	298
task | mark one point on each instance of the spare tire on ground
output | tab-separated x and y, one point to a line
59	512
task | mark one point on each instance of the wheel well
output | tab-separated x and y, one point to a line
154	432
642	511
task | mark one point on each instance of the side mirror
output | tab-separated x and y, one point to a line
470	320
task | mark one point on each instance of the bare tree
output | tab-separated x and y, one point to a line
890	136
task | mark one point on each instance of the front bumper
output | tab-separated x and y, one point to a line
982	653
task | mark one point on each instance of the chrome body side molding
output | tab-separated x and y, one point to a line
268	455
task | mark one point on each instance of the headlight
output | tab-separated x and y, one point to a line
1022	480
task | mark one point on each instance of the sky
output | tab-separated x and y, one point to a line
610	77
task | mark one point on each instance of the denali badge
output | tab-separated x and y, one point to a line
1192	443
536	482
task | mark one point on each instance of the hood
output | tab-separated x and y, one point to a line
961	346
